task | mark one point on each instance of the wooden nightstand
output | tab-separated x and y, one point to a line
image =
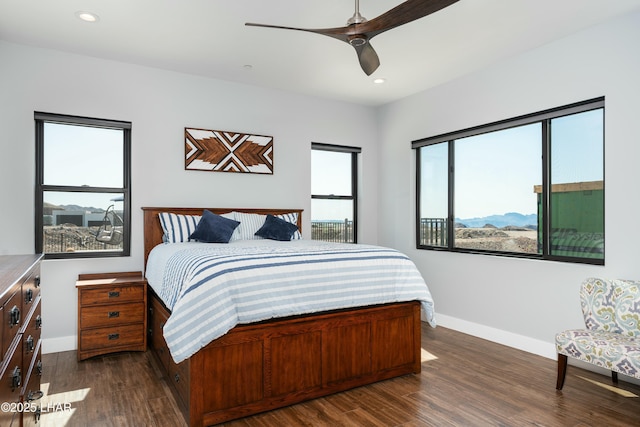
112	314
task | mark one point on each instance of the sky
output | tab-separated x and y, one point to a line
496	172
80	155
331	174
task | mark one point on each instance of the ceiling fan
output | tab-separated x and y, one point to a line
359	31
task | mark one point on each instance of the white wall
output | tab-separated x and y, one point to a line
160	105
521	302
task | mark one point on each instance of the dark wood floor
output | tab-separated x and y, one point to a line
465	381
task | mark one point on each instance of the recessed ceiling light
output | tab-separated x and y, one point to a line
379	80
248	67
87	16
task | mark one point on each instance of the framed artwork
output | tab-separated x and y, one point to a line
224	151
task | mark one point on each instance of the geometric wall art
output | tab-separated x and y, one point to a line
223	151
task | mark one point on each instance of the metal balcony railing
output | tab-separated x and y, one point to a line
332	231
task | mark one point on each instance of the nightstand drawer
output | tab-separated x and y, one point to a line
108	315
128	335
111	295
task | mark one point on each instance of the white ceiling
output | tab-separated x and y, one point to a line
209	38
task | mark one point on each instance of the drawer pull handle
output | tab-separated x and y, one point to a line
39	367
14	316
16	378
28	297
34	395
37	281
38	321
114	336
114	294
29	344
177	378
113	314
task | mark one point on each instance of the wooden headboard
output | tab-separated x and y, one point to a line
153	230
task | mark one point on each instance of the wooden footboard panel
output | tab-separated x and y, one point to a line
268	365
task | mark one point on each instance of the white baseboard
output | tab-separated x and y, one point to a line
55	345
530	345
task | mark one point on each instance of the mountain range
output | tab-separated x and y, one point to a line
511	218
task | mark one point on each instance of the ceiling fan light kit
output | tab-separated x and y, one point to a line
359	31
357	40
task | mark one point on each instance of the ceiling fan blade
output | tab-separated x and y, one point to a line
339	33
404	13
368	58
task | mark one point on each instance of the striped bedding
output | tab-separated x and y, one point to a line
210	288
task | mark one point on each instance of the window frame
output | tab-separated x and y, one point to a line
544	117
354	151
40	119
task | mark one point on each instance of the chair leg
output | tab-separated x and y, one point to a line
562	370
614	377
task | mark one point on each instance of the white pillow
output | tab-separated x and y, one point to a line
177	228
249	224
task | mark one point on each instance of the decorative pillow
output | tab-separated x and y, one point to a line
249	224
291	217
177	227
214	228
276	229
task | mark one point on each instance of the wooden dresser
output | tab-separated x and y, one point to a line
21	365
111	313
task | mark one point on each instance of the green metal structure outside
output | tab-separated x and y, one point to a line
577	219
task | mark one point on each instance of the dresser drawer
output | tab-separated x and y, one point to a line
111	295
12	377
31	392
108	315
111	338
31	388
12	318
32	332
30	290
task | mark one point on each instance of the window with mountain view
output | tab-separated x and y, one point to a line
82	186
531	186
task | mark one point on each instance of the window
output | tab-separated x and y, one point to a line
82	186
334	193
532	186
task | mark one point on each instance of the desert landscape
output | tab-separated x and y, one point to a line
506	239
72	238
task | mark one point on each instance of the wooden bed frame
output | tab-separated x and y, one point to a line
268	365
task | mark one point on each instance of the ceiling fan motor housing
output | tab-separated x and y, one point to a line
357	39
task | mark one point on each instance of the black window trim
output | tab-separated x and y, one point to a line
354	179
544	118
40	119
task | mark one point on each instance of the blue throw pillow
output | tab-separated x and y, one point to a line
214	228
276	229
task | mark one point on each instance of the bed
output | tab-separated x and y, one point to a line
276	359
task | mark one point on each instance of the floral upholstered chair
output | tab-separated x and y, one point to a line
611	340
